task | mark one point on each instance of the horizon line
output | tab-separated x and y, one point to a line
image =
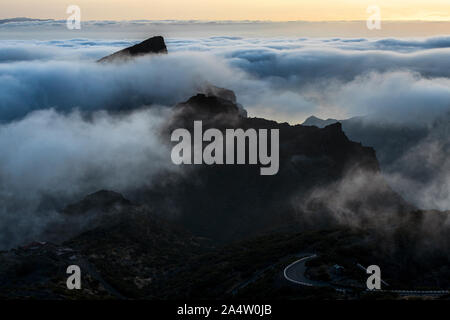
227	20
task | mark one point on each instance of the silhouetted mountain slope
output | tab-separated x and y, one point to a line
230	202
150	261
411	155
390	141
154	45
126	248
314	121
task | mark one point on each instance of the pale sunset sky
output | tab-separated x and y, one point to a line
275	10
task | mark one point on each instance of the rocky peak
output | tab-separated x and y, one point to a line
226	94
321	123
154	45
209	104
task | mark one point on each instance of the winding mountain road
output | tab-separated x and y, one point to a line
295	272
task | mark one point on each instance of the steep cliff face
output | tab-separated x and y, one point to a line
230	202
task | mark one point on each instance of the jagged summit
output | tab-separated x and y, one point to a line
212	90
211	104
154	45
216	104
226	203
321	123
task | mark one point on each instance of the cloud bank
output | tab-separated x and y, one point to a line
288	79
58	135
109	29
49	159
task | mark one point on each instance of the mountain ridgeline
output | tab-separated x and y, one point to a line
231	202
222	226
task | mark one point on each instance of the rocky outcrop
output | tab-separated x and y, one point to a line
314	121
154	45
390	141
226	94
229	202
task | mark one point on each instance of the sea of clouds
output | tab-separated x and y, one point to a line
286	79
58	136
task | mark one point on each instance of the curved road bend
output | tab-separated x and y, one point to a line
295	272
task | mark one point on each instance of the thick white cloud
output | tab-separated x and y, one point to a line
288	78
395	97
49	159
64	85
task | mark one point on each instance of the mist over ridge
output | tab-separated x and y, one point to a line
62	106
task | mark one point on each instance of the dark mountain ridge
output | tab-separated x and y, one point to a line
411	154
228	203
154	45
